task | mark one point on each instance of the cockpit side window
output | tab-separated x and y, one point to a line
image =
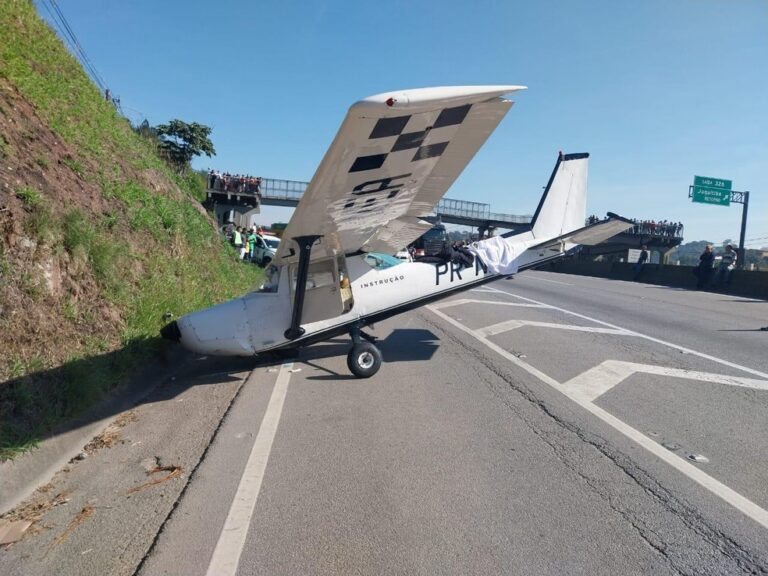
319	274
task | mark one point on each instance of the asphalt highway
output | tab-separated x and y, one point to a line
546	424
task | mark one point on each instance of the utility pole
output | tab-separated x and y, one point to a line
745	202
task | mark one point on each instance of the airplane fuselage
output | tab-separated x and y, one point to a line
257	321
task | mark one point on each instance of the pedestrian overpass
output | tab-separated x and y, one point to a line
287	193
239	205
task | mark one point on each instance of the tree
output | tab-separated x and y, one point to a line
180	142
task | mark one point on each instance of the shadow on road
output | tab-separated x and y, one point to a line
48	403
401	345
51	402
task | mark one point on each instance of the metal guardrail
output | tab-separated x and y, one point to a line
285	191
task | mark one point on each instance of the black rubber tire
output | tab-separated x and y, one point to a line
265	261
364	360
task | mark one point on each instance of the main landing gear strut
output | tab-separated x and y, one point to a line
364	359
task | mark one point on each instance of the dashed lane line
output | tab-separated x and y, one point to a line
226	555
739	502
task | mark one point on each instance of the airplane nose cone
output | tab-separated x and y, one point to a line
171	331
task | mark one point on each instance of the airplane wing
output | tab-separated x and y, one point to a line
591	235
394	157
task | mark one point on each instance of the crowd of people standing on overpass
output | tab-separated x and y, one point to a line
240	183
658	228
663	228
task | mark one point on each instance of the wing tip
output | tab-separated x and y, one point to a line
426	98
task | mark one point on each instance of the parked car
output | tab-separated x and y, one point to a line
404	255
266	248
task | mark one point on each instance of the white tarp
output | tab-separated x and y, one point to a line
498	254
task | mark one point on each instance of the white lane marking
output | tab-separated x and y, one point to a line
226	556
512	324
460	301
644	336
528	277
744	505
480	290
596	381
500	327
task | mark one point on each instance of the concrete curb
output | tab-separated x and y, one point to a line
20	477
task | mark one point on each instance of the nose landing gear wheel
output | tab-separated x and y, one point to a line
364	360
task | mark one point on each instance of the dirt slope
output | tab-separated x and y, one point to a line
98	238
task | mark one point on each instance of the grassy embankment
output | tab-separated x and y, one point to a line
144	250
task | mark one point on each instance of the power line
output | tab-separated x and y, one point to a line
78	47
85	59
69	36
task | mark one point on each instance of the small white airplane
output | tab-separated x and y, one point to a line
394	157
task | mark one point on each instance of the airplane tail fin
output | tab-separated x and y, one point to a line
563	207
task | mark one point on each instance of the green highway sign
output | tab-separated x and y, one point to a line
710	195
707	182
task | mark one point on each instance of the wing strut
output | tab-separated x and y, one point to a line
305	248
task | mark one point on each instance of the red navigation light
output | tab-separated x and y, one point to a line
390	102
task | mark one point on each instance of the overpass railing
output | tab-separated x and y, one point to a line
292	191
273	189
464	209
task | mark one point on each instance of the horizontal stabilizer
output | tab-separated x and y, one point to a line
593	234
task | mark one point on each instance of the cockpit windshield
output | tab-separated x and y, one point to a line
381	261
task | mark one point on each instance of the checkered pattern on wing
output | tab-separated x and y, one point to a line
417	138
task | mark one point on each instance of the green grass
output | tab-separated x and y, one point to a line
40	225
5	266
5	148
148	253
29	196
30	285
105	255
74	165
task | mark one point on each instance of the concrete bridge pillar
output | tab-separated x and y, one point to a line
665	254
485	231
238	214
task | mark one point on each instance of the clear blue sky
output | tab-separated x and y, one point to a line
656	91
